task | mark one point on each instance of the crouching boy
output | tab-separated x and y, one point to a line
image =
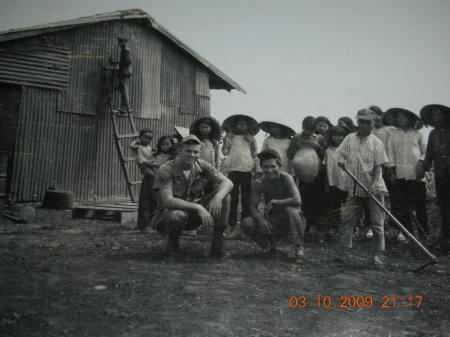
182	204
282	213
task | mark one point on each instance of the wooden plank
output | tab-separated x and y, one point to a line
128	135
120	206
100	208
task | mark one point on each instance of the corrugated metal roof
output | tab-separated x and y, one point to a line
218	79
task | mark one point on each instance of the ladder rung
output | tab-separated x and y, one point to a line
135	182
123	113
128	159
128	135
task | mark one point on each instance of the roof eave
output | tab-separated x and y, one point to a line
218	81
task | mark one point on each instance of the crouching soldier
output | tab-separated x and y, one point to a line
282	213
182	204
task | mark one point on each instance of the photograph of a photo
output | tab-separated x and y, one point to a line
240	168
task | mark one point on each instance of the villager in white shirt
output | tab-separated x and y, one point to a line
406	152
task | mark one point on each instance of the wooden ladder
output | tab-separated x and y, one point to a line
124	160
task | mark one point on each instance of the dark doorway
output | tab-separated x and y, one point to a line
9	115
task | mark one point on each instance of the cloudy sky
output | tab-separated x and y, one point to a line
296	58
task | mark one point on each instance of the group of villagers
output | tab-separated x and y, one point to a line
296	183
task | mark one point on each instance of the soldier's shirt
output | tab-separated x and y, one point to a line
171	176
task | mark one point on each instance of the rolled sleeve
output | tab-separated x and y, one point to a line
342	151
210	173
162	179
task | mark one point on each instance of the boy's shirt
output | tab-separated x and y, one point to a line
438	151
361	155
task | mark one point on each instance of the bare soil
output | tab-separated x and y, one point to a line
66	277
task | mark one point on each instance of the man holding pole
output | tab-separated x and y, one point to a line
363	154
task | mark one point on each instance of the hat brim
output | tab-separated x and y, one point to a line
181	131
252	124
215	126
425	112
393	112
365	118
267	126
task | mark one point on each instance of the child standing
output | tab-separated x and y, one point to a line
438	155
335	178
144	159
164	151
279	141
347	124
406	152
323	127
306	152
240	149
208	130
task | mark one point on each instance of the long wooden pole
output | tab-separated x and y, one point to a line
398	223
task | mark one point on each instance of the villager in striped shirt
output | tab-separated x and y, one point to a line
363	154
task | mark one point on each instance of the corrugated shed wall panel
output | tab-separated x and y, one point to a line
171	76
75	135
52	148
202	82
89	54
188	89
150	56
34	148
44	67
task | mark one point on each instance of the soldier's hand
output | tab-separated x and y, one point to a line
215	207
341	165
205	217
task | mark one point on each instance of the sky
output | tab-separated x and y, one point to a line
296	58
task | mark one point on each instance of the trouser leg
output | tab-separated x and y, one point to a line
399	209
220	221
246	189
350	214
377	222
306	193
234	177
443	196
296	226
147	203
421	205
256	233
174	222
337	199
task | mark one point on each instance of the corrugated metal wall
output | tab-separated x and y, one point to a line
44	67
52	148
75	149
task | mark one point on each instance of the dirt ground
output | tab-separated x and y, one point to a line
66	277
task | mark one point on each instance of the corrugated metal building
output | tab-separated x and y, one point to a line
56	128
